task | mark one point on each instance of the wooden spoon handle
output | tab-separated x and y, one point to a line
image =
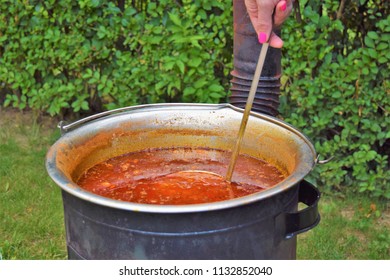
248	107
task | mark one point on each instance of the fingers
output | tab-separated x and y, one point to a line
264	23
282	11
251	7
265	14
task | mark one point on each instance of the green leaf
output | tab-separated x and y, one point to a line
156	40
96	44
195	62
373	35
215	88
215	95
200	83
7	102
96	75
3	38
95	3
169	65
160	84
181	66
373	53
328	58
175	19
382	46
383	59
189	91
84	105
369	42
202	14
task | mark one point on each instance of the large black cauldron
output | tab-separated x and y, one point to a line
259	226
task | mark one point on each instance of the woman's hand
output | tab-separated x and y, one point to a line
266	14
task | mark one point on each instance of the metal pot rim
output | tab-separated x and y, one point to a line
67	185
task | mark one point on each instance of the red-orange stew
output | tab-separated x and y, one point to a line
155	176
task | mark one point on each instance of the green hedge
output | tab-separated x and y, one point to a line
86	56
336	74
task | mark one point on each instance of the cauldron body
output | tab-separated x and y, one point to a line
259	226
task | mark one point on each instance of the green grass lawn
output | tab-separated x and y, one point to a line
31	214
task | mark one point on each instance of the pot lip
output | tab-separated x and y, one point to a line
68	186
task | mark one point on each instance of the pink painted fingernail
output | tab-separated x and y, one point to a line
283	7
262	37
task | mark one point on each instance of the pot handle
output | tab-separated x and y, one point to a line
294	223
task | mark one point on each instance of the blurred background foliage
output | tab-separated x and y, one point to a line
66	57
336	89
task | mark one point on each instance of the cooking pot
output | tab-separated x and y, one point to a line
263	225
